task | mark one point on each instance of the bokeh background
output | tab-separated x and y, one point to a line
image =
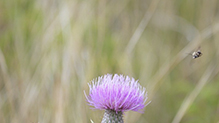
51	49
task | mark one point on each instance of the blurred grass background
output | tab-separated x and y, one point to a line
51	49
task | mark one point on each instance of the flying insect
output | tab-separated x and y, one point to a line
197	54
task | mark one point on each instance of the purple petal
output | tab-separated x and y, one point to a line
118	93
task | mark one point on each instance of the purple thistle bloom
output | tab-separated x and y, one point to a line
117	93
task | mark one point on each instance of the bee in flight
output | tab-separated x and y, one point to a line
196	54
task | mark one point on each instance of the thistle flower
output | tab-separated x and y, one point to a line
116	94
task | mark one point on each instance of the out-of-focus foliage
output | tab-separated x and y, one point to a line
51	49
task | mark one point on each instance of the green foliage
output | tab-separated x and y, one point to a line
50	50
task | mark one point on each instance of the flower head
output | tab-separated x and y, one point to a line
117	93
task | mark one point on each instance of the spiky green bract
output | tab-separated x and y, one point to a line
111	116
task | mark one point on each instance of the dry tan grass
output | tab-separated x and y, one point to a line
50	50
